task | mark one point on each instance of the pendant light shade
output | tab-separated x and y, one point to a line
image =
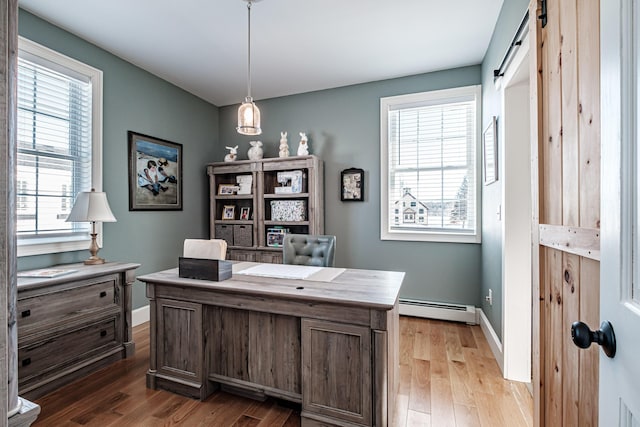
249	118
248	113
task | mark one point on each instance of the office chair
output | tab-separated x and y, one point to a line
305	249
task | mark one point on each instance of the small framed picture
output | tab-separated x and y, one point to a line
352	185
229	212
490	152
244	213
227	189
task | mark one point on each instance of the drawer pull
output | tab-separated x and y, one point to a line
26	313
26	362
103	294
103	333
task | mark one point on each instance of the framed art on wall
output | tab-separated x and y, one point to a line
155	173
352	185
490	152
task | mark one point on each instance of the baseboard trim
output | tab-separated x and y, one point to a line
492	339
140	315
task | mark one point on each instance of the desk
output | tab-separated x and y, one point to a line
330	346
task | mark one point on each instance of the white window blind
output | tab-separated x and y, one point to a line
429	151
55	139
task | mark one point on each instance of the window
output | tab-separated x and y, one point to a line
429	159
59	140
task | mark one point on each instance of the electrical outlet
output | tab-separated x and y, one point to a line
489	298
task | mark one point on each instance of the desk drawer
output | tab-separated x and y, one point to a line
54	353
50	307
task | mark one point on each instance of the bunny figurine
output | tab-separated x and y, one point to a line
303	148
255	151
284	147
233	154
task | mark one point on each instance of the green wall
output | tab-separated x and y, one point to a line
343	126
137	100
510	17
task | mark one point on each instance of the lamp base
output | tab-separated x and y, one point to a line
93	250
94	260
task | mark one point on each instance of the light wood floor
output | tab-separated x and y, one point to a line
448	377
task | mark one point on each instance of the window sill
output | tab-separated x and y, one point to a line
430	237
50	246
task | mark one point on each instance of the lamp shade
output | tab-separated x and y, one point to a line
249	118
91	206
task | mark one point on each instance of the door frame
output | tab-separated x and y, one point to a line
516	220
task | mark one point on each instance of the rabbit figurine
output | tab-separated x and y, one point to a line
303	148
255	151
284	147
233	154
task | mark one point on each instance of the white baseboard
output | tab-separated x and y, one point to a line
492	339
140	315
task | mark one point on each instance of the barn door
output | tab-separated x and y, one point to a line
567	96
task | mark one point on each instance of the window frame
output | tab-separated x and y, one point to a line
56	61
411	100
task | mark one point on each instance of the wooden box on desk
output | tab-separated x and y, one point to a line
204	269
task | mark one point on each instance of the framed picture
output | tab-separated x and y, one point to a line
229	212
227	189
490	152
155	173
244	213
352	185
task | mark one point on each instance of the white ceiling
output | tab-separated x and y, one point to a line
297	45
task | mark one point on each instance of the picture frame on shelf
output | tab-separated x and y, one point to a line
245	213
229	212
352	185
155	173
227	189
490	152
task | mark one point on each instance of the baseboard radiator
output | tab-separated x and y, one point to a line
439	310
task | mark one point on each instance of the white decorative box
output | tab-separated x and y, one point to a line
288	210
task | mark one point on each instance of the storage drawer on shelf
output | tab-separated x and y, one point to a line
242	235
54	353
240	255
50	307
272	257
225	231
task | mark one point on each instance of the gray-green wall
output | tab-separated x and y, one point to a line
137	100
510	17
343	126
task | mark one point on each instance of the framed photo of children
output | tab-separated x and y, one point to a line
155	173
352	188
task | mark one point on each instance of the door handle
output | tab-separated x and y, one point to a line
583	337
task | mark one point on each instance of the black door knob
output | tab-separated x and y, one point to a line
583	337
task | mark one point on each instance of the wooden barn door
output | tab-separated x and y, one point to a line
566	95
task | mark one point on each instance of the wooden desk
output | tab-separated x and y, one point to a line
331	346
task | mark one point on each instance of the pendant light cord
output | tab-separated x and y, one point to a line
249	50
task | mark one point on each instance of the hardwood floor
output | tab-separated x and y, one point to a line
448	377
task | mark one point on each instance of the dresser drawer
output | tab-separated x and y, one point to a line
55	305
50	355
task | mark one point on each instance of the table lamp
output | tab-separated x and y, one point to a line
92	206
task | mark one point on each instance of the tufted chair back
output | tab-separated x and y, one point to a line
304	249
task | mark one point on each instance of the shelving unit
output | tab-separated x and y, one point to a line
248	239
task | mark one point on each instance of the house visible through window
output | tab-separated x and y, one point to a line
59	147
429	155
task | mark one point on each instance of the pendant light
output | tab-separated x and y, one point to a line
248	113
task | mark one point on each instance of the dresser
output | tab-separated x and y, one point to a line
72	324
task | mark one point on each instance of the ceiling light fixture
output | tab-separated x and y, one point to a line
248	113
